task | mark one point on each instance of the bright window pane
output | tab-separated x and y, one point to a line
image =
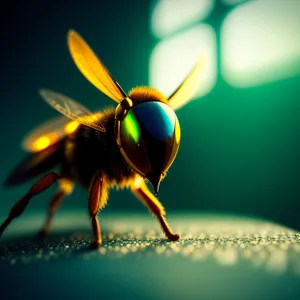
261	42
234	2
169	16
172	60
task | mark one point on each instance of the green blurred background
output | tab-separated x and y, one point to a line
240	139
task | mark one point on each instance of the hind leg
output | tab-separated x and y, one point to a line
65	189
41	185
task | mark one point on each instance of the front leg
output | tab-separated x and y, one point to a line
97	200
142	192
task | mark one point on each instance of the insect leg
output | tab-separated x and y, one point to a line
97	200
144	194
40	186
65	189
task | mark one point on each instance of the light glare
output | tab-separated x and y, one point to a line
173	59
260	43
169	16
41	143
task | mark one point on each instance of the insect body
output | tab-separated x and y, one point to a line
123	146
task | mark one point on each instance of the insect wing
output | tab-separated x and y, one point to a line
188	87
46	134
72	109
92	68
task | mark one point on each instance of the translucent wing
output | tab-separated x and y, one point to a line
92	68
72	109
188	87
48	134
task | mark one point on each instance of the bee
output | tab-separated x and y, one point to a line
124	147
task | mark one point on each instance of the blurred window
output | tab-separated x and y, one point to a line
259	42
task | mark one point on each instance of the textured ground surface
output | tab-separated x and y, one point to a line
218	257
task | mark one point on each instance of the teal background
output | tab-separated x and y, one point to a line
240	147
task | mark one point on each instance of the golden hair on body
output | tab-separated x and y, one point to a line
121	147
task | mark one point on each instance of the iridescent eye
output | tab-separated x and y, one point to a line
133	145
157	118
149	136
131	127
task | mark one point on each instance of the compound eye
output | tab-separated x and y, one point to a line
161	132
157	119
149	137
133	144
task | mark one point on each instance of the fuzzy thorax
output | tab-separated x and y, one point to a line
146	93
